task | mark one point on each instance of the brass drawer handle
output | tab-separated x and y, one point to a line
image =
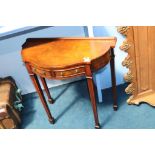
61	73
74	71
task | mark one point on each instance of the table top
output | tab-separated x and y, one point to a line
61	52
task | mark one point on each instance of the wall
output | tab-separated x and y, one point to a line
11	62
104	74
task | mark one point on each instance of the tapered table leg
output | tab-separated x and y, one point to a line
40	93
92	95
50	99
113	79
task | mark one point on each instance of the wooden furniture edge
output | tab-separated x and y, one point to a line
130	76
114	39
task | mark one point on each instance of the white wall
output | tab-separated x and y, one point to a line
104	75
11	62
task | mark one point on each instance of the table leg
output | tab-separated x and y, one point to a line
92	95
50	99
40	93
113	79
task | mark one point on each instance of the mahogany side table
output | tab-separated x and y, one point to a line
64	58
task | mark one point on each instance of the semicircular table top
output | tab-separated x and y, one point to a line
65	51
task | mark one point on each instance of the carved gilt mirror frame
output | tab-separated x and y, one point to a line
140	61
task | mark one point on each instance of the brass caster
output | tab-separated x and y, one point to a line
50	100
52	121
115	107
97	126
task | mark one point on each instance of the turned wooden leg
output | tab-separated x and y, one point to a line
113	79
50	99
40	93
92	95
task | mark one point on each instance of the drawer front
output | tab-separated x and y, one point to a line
70	72
43	73
60	73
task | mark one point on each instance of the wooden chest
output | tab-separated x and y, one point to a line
9	115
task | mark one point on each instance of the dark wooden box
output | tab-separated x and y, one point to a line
9	115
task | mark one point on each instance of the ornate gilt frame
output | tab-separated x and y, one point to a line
141	89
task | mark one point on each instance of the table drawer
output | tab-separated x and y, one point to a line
70	72
59	73
43	73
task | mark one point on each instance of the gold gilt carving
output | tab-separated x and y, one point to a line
129	99
130	89
127	62
123	29
125	46
128	77
139	44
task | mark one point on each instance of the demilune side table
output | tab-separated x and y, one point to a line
64	58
